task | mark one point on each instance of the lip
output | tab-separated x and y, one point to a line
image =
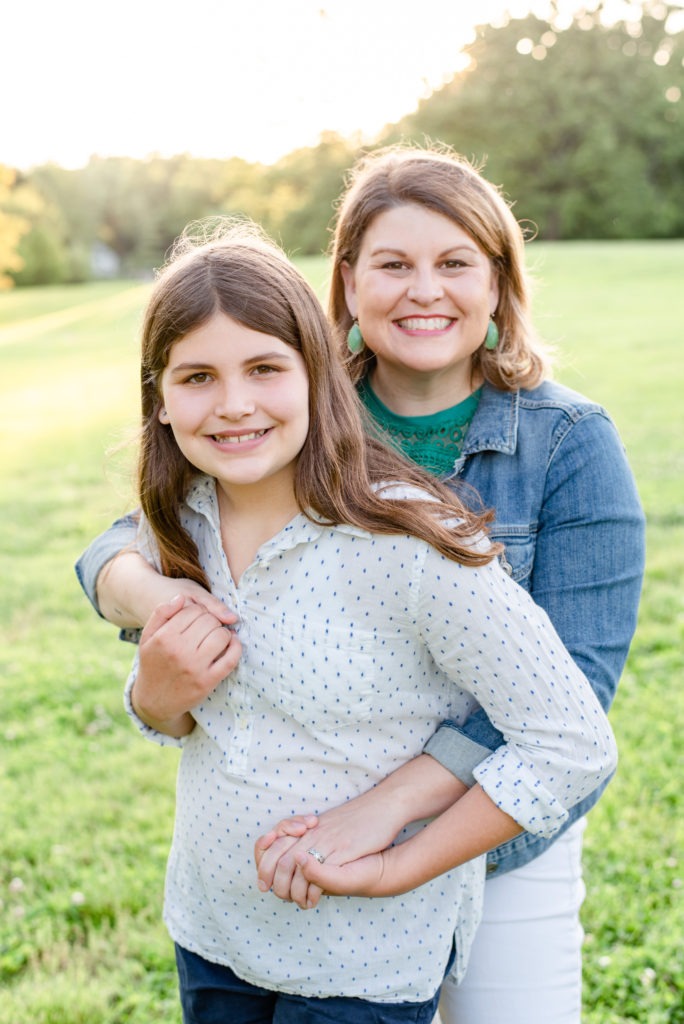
424	326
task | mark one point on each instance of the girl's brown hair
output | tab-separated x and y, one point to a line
446	183
240	273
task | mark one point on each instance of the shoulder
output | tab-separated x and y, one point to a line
557	413
400	490
555	396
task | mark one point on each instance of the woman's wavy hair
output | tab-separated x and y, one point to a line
237	271
446	183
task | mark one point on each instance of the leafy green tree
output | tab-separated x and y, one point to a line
12	227
305	185
581	125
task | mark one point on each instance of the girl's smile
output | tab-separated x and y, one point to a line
237	402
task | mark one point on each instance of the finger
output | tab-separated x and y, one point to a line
269	860
295	826
283	875
335	879
213	605
313	895
228	661
162	614
299	890
214	640
317	874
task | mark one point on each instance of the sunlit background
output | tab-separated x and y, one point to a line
219	78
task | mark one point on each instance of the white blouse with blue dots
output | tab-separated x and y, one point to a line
355	647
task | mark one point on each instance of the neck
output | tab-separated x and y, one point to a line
414	394
249	518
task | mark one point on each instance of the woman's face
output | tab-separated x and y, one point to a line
422	291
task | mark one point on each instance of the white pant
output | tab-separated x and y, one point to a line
526	962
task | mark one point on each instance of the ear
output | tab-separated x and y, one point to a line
349	280
163	415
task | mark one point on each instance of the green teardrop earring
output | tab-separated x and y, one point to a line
354	339
492	336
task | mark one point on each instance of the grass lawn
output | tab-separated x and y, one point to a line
87	806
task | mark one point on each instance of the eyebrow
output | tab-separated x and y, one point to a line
395	251
263	357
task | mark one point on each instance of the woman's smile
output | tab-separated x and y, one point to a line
420	277
427	325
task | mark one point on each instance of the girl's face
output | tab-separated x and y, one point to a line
238	404
422	291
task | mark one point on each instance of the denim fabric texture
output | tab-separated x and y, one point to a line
552	466
213	994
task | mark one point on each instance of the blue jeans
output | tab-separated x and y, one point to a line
213	994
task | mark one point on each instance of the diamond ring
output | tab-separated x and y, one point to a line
315	853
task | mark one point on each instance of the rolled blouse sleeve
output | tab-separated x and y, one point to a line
489	637
147	731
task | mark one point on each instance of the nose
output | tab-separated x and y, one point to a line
234	401
425	286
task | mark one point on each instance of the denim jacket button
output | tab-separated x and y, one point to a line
492	869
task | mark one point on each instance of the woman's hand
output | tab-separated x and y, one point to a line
185	651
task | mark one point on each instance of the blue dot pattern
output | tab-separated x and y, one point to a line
355	648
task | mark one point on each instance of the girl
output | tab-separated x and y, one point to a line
371	607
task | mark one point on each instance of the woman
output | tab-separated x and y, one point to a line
429	286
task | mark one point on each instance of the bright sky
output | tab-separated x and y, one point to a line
221	78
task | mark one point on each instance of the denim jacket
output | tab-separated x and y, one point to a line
551	465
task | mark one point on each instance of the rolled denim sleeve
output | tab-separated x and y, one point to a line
587	573
121	534
458	752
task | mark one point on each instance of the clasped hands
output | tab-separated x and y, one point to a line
353	840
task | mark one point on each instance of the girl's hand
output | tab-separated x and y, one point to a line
185	652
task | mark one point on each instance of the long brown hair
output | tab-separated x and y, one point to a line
444	182
242	274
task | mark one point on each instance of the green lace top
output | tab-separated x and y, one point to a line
434	441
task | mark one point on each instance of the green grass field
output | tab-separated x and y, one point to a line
86	805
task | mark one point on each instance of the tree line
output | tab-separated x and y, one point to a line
580	124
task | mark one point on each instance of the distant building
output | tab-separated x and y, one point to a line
104	262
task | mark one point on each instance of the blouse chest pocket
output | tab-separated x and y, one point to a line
325	673
518	556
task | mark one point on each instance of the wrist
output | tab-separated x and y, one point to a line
179	725
422	788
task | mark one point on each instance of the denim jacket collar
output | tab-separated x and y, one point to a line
494	426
